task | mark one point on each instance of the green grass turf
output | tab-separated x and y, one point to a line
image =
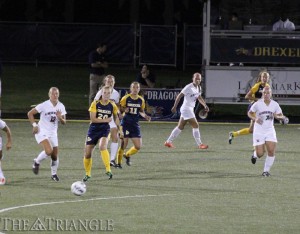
182	190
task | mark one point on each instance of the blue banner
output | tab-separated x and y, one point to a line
158	102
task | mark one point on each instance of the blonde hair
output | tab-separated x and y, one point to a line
260	74
53	89
105	87
108	77
267	88
105	80
135	83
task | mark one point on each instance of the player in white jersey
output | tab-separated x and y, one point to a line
6	129
191	93
109	80
51	112
263	113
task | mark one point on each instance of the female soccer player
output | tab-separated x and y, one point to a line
253	95
133	105
262	113
6	129
191	93
101	113
109	80
51	112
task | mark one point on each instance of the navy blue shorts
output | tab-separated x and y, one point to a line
131	131
95	134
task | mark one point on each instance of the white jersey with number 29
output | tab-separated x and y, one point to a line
265	113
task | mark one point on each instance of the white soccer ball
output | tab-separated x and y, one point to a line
203	114
285	120
78	188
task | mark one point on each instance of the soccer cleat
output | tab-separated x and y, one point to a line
55	178
203	146
127	160
113	163
253	159
230	137
169	145
35	167
266	174
119	166
109	174
86	178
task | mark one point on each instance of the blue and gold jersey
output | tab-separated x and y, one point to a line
257	89
134	105
103	111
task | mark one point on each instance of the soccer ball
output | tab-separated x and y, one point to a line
78	188
2	181
285	120
203	114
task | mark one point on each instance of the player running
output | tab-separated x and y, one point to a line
51	113
109	80
262	113
101	113
191	93
133	106
253	95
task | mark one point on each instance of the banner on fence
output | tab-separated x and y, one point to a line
158	101
256	50
233	84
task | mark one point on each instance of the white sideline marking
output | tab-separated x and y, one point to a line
91	199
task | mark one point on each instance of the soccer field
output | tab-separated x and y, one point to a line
181	190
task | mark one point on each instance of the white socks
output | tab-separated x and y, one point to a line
196	135
41	157
1	173
53	164
113	150
175	133
268	163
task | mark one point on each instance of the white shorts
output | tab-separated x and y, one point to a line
187	113
112	124
40	136
261	138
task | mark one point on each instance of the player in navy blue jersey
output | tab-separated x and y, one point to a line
101	113
109	80
133	106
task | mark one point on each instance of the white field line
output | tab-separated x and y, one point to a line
86	200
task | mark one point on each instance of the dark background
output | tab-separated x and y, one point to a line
163	12
71	13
